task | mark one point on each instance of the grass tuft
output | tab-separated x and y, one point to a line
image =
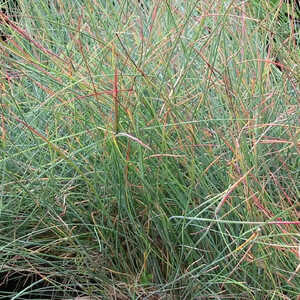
150	150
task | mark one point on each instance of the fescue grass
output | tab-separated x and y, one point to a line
150	152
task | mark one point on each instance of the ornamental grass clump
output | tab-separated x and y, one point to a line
149	150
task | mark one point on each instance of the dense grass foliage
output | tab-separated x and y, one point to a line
149	150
